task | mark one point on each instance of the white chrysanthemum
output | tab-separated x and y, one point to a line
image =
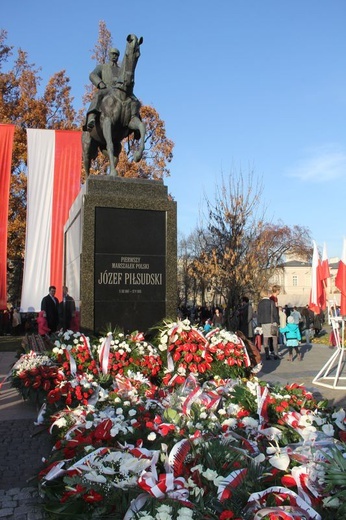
231	422
164	512
184	513
233	409
151	436
194	490
210	474
250	422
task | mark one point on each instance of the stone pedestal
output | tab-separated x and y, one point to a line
128	261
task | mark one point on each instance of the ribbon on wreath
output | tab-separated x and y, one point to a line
55	470
298	506
233	480
285	513
104	353
165	485
137	337
71	360
193	397
263	399
86	344
304	485
136	505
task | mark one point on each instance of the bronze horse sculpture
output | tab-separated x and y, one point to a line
119	115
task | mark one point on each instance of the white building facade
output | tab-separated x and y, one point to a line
295	282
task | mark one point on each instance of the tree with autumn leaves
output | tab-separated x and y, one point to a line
238	249
22	105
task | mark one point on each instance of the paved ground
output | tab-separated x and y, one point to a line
22	444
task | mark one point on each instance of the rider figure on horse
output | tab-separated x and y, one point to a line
104	77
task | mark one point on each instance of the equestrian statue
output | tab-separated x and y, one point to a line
113	113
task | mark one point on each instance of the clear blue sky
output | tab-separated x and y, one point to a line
240	84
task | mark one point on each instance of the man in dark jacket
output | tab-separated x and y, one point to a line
267	318
50	306
67	309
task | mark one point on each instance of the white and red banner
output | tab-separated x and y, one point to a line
325	271
340	280
319	275
6	146
54	172
316	284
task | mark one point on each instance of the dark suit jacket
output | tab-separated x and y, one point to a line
67	309
50	307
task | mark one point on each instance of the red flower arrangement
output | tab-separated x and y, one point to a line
34	376
72	393
218	353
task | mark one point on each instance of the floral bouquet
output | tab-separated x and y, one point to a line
119	354
72	350
72	392
219	353
207	453
34	376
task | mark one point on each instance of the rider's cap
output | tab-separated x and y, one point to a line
114	50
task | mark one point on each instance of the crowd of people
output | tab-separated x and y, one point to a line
269	327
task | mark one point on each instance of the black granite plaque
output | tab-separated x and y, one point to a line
130	268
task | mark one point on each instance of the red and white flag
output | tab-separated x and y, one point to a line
6	145
54	172
340	280
324	268
316	283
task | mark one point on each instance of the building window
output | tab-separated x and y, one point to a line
294	280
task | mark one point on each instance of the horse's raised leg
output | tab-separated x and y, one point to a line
107	133
137	124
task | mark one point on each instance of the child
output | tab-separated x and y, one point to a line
207	326
293	337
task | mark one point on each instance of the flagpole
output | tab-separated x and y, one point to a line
336	363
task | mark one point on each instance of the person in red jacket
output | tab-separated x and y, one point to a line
42	324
